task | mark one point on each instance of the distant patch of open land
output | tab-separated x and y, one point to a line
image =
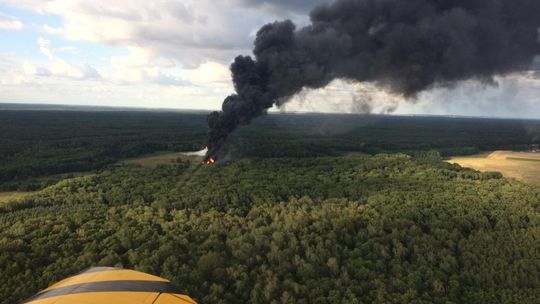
163	158
12	196
519	165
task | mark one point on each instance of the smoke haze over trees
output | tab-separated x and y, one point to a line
404	47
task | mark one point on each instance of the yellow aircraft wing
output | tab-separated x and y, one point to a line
108	285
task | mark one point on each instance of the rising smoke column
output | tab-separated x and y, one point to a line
404	46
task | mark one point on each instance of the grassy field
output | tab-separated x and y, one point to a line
163	158
519	165
11	196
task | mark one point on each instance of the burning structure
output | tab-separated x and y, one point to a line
403	46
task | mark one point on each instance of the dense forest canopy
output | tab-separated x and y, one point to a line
315	209
349	229
36	145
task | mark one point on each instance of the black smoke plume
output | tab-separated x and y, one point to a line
404	46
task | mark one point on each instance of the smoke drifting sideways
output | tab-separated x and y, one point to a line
402	46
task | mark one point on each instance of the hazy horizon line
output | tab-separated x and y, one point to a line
26	106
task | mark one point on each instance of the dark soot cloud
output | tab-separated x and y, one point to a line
404	46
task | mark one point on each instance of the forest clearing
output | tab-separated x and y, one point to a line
12	196
519	165
159	158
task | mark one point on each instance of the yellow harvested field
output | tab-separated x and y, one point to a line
519	165
532	156
12	196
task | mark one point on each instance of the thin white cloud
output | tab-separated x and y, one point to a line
70	50
188	32
138	58
62	68
30	69
9	22
213	73
144	76
45	47
178	52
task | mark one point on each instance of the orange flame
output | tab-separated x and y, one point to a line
210	161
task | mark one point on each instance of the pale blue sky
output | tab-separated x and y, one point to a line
175	54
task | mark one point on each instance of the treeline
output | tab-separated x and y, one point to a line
37	144
295	135
350	229
42	143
